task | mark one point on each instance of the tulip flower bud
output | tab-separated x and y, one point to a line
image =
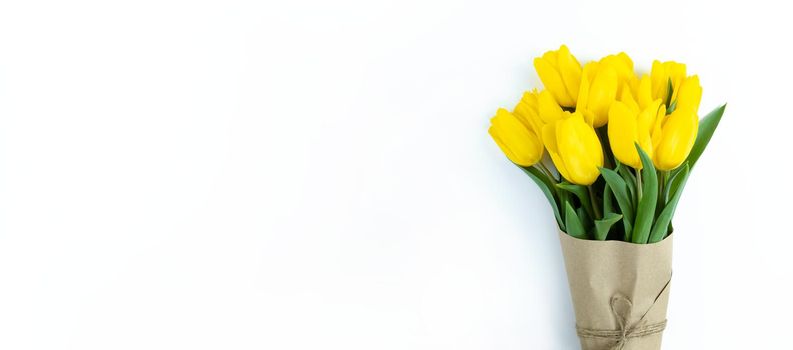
675	139
574	148
599	85
628	125
560	72
661	74
521	144
623	65
602	83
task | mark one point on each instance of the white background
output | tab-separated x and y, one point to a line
317	175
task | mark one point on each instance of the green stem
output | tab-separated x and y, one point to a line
602	132
547	171
595	207
560	194
638	185
553	179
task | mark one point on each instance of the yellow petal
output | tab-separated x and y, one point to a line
549	110
551	58
549	139
629	100
570	71
583	92
623	65
526	110
622	131
552	80
645	123
602	93
677	72
530	117
657	132
645	95
662	74
589	117
530	98
690	94
659	81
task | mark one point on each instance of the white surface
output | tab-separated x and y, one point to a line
316	175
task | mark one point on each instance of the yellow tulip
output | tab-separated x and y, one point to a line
601	83
686	91
678	131
656	85
574	148
519	142
675	139
598	90
629	125
667	140
623	65
560	72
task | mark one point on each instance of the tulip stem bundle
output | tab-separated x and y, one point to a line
622	146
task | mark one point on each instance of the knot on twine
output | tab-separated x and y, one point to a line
621	307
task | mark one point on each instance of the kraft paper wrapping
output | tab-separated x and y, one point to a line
620	291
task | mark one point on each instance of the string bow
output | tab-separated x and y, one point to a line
622	307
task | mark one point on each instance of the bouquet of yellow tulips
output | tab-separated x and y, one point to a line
620	148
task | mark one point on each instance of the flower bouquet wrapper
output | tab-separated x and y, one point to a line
620	291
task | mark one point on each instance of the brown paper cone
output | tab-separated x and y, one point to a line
620	291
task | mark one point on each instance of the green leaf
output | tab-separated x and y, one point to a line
603	226
671	108
671	182
608	201
564	197
579	191
546	186
665	218
630	182
585	219
706	128
618	187
669	92
645	211
574	226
